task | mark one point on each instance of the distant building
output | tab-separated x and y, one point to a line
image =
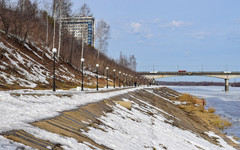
81	27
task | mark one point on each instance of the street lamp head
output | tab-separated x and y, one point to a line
54	50
120	72
97	65
107	68
114	70
82	59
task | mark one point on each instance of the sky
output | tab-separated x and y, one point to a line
192	35
188	33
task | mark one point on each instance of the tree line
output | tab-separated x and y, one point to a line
201	83
26	21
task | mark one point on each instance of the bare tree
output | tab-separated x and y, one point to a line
30	13
54	3
54	21
66	8
128	62
46	6
5	13
85	10
64	5
5	22
60	28
24	18
102	36
61	7
132	62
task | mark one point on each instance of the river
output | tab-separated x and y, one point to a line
226	104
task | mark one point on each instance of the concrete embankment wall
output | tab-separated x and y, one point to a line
74	123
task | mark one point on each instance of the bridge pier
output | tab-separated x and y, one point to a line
226	85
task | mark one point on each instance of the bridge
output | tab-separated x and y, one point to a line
226	75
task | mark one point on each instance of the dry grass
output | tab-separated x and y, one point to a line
186	98
207	116
236	138
211	110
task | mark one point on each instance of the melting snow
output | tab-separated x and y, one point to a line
126	129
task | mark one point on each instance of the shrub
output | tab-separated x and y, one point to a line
186	98
211	110
220	123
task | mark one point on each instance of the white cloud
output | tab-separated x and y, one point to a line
234	37
141	30
140	41
238	21
180	23
187	53
148	35
176	24
157	20
136	26
201	35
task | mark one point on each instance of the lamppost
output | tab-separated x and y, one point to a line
114	76
54	50
126	80
82	60
119	78
107	76
139	81
130	80
97	65
136	82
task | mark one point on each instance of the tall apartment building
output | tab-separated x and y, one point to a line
81	27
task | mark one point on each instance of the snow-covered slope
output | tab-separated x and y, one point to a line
30	66
145	126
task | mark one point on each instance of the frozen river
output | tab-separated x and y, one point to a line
226	104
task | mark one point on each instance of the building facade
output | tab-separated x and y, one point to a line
81	27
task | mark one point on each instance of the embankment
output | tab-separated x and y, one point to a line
153	122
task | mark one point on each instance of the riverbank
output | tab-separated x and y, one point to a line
201	83
96	120
226	103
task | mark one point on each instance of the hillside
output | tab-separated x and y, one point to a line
30	65
77	120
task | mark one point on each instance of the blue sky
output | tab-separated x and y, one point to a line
192	34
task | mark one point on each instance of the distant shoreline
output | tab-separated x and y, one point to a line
185	83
